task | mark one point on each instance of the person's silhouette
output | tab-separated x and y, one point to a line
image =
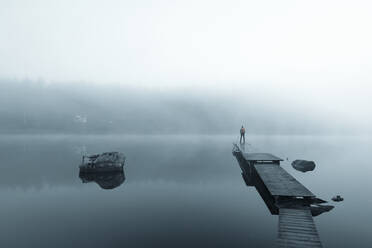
242	134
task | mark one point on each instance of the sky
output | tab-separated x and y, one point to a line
307	53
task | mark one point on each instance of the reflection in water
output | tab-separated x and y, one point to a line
251	179
106	180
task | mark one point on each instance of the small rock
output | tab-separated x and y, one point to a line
337	198
303	165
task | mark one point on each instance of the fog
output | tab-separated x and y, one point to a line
187	42
169	83
38	107
181	67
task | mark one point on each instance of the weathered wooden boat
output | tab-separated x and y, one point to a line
105	162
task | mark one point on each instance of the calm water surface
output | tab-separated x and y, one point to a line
179	191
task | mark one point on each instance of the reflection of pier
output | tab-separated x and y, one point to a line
283	196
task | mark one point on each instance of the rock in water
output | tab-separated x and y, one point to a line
337	198
303	165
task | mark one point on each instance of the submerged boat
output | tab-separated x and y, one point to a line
105	162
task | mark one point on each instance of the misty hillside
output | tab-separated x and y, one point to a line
38	107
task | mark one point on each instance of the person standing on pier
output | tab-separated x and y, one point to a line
242	134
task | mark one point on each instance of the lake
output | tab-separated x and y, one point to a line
179	191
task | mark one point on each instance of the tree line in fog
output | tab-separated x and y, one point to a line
38	107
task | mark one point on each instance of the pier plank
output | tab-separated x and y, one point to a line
294	232
279	182
261	157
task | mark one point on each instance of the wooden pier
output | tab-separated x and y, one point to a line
284	196
281	183
278	181
297	228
